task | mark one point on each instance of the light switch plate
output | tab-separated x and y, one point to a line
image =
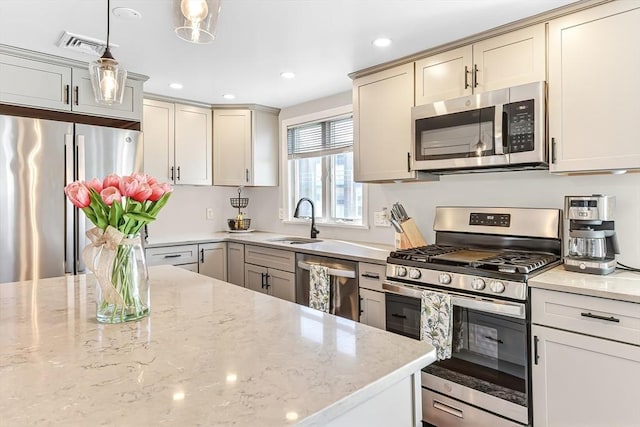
381	219
209	213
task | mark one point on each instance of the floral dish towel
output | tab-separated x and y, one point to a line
436	322
319	287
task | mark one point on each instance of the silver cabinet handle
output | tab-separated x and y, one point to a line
448	409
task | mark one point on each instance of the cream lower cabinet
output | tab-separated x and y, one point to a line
585	361
270	271
235	263
245	147
511	59
372	301
593	88
213	260
382	105
55	86
177	142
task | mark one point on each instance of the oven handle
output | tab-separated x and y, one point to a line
504	308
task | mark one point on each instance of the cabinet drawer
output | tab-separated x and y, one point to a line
371	276
268	257
172	255
615	320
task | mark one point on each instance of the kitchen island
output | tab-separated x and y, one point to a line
210	354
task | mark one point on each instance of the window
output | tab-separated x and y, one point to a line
320	167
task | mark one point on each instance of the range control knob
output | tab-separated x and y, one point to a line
414	273
444	278
477	284
401	271
497	287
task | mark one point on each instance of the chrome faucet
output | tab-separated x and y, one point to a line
296	214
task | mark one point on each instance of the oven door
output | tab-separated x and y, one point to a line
488	367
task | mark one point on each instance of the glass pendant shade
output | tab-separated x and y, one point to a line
107	79
195	20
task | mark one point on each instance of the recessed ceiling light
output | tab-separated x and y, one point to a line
287	75
229	96
382	42
126	13
175	86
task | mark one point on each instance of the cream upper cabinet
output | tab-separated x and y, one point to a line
382	105
39	84
593	88
245	147
177	142
193	145
511	59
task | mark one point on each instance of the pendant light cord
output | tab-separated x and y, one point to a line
108	23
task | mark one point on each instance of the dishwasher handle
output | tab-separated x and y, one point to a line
337	272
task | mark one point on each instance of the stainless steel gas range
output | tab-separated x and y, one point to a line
483	258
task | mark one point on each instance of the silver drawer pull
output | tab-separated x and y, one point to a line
595	316
173	256
371	276
448	409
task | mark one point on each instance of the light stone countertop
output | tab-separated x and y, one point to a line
210	353
619	285
355	251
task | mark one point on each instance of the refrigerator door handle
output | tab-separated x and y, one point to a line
80	220
69	250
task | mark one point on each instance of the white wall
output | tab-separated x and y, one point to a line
186	211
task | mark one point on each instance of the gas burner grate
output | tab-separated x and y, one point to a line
423	253
517	262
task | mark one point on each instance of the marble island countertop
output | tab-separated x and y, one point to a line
356	251
619	285
210	353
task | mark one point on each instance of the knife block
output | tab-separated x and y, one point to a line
411	237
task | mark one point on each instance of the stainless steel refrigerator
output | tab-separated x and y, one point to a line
41	233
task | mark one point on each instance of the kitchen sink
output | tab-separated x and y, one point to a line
294	240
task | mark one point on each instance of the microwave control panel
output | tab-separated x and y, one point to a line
520	126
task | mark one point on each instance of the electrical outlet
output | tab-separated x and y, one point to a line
280	214
209	213
381	218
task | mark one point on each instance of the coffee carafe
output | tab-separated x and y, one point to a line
592	237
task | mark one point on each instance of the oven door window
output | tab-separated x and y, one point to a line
456	135
489	354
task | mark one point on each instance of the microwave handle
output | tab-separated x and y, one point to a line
505	130
499	124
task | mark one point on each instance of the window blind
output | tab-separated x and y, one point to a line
320	138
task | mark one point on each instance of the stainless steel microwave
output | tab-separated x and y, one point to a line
501	129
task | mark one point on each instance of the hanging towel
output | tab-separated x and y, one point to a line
436	322
319	287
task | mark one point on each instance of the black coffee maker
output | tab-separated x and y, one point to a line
592	237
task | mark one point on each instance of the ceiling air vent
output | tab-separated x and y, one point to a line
83	44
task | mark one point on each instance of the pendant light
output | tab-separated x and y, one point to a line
195	20
107	76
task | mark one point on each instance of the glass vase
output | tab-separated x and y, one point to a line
129	278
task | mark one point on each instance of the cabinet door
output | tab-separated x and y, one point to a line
263	168
172	255
443	76
372	310
193	144
511	59
382	105
255	278
235	263
593	80
85	102
34	83
213	260
282	284
232	147
579	380
157	125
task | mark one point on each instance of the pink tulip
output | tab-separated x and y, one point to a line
142	193
110	195
166	187
94	184
78	194
112	180
156	192
143	177
129	186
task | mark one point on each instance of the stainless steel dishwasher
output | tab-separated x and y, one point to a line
343	276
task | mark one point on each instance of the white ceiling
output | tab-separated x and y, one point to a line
320	40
